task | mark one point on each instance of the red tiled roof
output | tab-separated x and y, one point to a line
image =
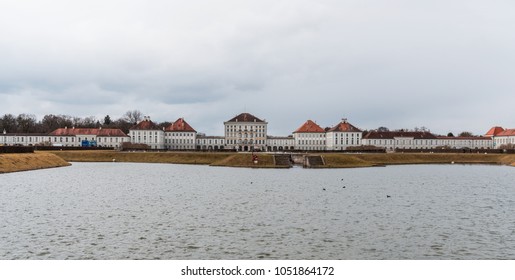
245	117
507	132
309	126
180	125
344	126
111	132
145	125
88	131
395	134
494	131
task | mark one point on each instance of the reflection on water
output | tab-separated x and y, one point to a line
165	211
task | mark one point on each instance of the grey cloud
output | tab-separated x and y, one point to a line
440	64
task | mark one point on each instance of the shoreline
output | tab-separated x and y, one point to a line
27	162
41	160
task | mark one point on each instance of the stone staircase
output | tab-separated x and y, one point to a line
282	160
314	161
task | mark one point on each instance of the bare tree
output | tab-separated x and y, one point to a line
164	124
89	122
26	123
466	134
383	129
50	123
122	124
8	123
133	116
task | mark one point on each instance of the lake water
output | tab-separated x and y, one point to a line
166	211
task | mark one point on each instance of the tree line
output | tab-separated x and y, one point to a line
425	129
28	123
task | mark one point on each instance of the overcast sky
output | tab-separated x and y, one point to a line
445	65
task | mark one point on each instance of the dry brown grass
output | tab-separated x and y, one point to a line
24	162
245	160
216	159
335	160
356	160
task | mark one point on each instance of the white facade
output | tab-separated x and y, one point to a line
24	139
175	140
245	132
153	138
310	137
146	132
342	136
179	135
342	140
111	141
310	141
423	140
64	137
465	142
210	142
400	143
501	141
280	143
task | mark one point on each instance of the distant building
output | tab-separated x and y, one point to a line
310	137
23	139
245	132
474	142
343	135
502	138
180	136
77	137
147	132
210	143
391	140
274	143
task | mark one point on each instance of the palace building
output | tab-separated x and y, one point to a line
246	132
180	136
310	136
148	133
343	135
502	138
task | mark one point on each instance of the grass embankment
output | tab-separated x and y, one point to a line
335	160
25	162
244	160
215	159
362	160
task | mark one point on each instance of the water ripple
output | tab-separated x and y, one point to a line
160	211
